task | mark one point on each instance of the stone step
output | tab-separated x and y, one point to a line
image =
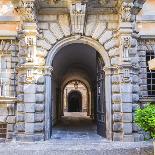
62	147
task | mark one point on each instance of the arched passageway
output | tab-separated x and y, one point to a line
79	62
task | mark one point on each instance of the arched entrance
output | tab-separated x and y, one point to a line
81	59
75	101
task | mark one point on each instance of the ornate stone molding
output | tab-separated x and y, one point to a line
77	13
126	12
26	9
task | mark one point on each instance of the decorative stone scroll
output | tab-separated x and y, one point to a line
126	12
77	13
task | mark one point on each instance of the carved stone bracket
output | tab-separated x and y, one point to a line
77	13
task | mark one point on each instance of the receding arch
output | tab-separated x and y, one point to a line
49	60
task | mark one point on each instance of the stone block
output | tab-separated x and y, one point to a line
29	128
43	26
126	88
126	107
117	136
127	128
40	88
39	127
116	88
20	117
20	127
101	26
115	79
116	107
135	88
39	117
11	119
128	138
135	97
49	37
116	98
20	107
3	111
117	117
29	107
117	127
39	107
115	61
127	117
126	97
44	44
39	97
138	137
105	37
29	89
111	44
10	127
29	117
9	135
3	119
20	98
113	52
30	98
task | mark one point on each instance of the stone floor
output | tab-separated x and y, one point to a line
75	126
76	136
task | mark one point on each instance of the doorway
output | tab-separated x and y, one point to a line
74	101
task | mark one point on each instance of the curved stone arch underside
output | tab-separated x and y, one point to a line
95	29
49	59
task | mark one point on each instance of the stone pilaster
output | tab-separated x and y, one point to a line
127	91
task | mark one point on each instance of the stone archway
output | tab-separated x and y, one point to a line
100	49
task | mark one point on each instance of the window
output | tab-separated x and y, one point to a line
3	130
150	74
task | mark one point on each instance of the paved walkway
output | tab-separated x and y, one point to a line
76	136
75	126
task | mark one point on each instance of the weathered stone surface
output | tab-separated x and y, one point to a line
39	117
11	119
40	88
29	128
10	127
20	107
20	117
117	127
39	107
38	127
116	107
126	107
117	136
20	127
127	117
127	128
29	88
105	37
39	97
116	98
29	98
117	117
29	107
29	117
